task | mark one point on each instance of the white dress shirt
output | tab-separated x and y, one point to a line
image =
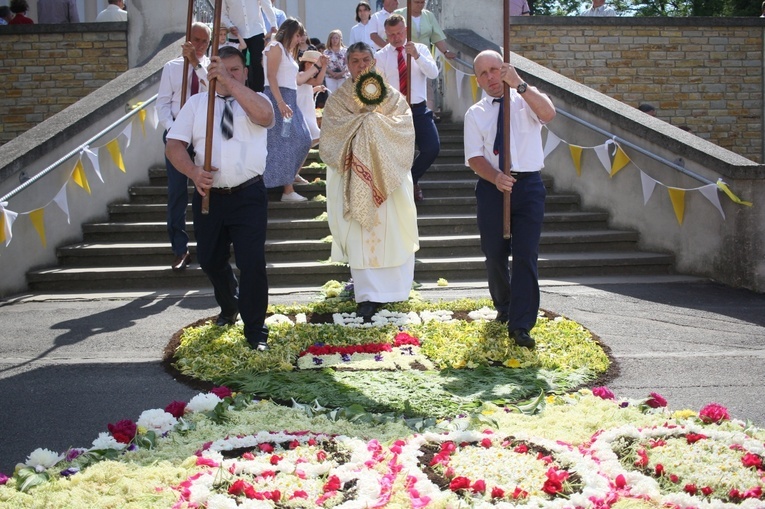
239	158
423	68
112	13
526	150
359	34
377	25
603	10
246	16
169	95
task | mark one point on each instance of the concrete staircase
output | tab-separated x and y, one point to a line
131	251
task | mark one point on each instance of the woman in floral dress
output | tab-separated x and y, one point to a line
337	71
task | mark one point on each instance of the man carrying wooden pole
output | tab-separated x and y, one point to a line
509	162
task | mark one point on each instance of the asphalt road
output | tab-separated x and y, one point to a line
69	365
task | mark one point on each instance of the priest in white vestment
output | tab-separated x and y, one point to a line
367	142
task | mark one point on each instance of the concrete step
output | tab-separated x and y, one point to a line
121	254
316	273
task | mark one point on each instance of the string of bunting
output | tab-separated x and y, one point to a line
78	176
613	163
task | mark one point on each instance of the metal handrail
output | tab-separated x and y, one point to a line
622	141
77	150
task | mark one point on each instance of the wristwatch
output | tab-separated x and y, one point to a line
522	88
198	66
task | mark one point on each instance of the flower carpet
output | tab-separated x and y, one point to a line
430	406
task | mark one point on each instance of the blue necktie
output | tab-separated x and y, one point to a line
499	138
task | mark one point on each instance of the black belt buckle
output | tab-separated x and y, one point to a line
232	190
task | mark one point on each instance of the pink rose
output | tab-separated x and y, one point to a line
479	486
333	484
656	400
603	393
714	414
123	431
299	494
176	409
751	461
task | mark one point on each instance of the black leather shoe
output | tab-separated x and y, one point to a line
181	262
258	345
367	309
418	196
224	320
501	318
522	338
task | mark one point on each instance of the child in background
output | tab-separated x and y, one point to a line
223	39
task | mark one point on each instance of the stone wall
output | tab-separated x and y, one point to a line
704	73
46	68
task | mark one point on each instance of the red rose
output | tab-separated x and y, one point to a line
755	492
222	392
321	456
751	461
299	494
690	488
333	484
642	460
176	409
294	444
552	487
692	438
603	393
448	447
621	481
497	492
714	414
519	493
706	490
521	449
123	431
673	478
266	447
275	459
659	470
239	487
479	486
486	443
459	483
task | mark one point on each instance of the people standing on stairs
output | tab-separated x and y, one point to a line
337	71
168	107
515	298
238	212
392	64
376	25
310	79
289	141
359	30
370	207
247	16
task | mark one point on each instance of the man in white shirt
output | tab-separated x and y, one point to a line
115	11
168	107
391	63
247	16
599	8
57	11
238	198
376	25
516	299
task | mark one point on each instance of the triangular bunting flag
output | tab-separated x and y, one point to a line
154	118
6	228
62	203
551	143
710	193
128	132
79	176
474	87
722	185
602	152
94	161
38	221
648	186
460	79
678	202
576	156
114	149
621	159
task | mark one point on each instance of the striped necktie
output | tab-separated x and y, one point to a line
227	119
402	81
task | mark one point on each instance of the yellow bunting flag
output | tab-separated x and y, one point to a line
621	159
678	202
142	118
474	87
2	227
114	149
722	185
79	176
576	156
38	220
447	66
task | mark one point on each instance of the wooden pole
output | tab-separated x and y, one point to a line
185	82
211	105
506	123
408	57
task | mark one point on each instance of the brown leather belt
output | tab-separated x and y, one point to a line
232	190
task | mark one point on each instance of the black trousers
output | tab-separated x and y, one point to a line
240	219
255	74
426	138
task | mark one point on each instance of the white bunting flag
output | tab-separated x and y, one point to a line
648	185
710	193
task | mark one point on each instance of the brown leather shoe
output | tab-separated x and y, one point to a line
181	262
418	193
